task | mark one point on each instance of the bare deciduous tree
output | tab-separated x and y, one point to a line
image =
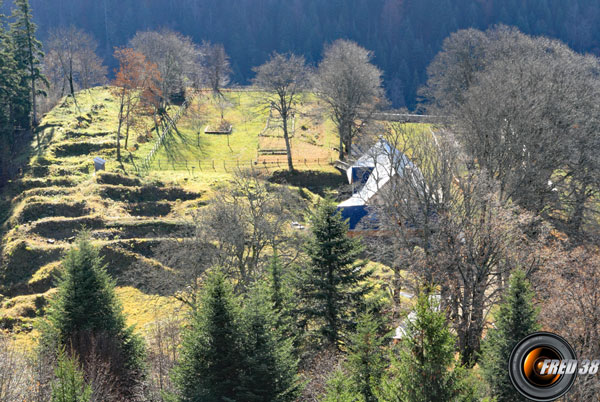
450	227
175	56
351	86
136	84
569	292
15	374
246	220
163	353
241	226
525	111
72	51
215	66
282	79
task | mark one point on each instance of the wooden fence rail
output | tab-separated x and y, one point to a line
213	165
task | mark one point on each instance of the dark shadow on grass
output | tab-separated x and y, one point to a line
322	183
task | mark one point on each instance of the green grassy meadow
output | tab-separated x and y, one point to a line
130	210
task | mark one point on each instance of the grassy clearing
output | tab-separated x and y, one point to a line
128	214
198	153
142	309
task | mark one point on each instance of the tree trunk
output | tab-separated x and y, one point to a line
34	105
287	144
348	138
341	134
71	86
127	124
576	219
119	132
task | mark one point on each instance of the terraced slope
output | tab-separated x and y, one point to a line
128	216
59	194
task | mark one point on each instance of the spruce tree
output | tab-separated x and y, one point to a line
8	82
516	318
340	388
332	287
276	284
86	316
280	295
235	354
211	367
365	360
361	378
28	55
422	369
271	365
69	385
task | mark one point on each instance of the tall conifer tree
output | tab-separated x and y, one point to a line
361	378
516	318
211	367
424	367
28	55
86	316
332	287
8	82
271	366
235	354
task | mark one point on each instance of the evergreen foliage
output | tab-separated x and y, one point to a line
8	82
235	354
69	385
271	365
332	287
281	299
86	315
340	388
423	369
365	359
361	378
28	56
212	357
276	285
516	318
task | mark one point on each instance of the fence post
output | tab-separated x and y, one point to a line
213	161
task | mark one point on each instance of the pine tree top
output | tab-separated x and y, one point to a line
86	298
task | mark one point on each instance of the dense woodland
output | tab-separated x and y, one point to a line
404	35
494	222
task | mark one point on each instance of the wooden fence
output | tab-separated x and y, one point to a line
211	165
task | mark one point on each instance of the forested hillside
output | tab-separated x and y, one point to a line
191	212
404	34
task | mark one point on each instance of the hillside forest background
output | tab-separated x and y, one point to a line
404	35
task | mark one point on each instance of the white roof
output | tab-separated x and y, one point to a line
385	160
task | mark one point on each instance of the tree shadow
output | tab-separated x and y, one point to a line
321	183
